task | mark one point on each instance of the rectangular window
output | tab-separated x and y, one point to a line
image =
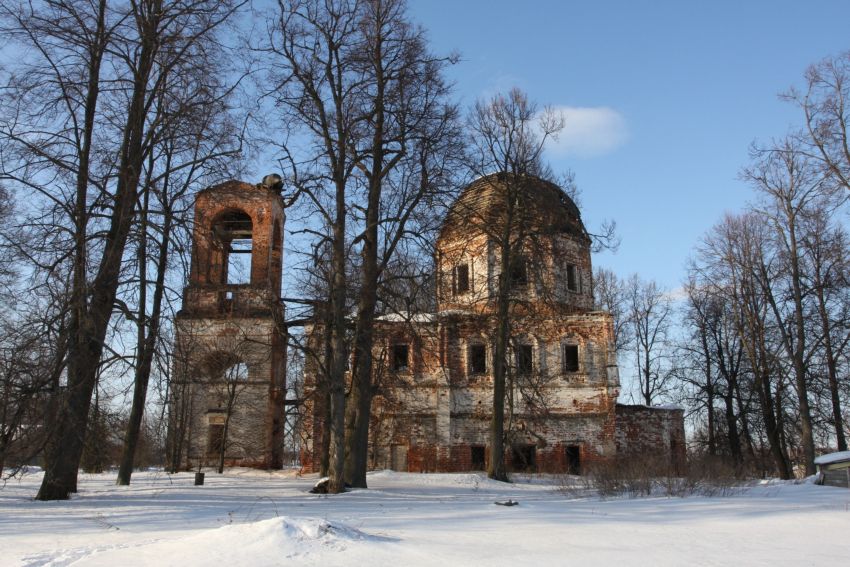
461	279
572	458
524	458
400	358
524	359
477	359
519	271
572	277
215	438
570	358
478	458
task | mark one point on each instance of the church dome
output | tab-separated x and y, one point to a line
545	207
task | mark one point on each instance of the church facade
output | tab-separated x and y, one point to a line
433	371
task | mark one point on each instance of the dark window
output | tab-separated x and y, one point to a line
400	357
215	439
572	458
524	458
570	358
519	271
572	277
477	359
524	359
478	458
462	278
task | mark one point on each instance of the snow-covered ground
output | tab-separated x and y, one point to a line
253	519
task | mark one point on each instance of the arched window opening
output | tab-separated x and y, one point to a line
226	367
234	233
237	373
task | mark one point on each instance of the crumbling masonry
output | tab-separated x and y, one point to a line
433	376
229	359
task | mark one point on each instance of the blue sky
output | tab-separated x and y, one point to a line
663	99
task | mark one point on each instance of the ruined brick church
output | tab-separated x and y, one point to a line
433	378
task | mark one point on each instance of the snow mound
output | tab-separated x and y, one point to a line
267	542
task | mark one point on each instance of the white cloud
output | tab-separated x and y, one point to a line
588	131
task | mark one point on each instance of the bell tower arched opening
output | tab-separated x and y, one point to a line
233	238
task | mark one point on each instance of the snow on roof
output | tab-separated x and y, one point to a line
665	407
668	407
830	458
405	317
450	312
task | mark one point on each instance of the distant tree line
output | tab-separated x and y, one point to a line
758	349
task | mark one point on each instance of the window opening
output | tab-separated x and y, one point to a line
524	359
400	360
215	438
572	458
236	373
478	458
570	358
477	359
524	458
234	233
519	271
572	277
461	279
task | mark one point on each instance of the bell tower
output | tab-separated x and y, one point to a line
230	356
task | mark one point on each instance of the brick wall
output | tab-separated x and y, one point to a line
643	431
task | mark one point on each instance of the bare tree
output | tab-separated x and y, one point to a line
789	184
84	124
313	54
712	364
358	77
411	138
825	101
508	134
192	99
650	316
826	248
735	257
609	293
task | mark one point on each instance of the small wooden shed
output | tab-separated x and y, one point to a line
834	469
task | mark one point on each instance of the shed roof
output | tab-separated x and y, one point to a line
832	458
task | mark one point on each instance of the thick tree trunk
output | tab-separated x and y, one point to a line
496	468
832	371
360	399
771	426
338	362
709	390
325	455
799	354
88	335
357	430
